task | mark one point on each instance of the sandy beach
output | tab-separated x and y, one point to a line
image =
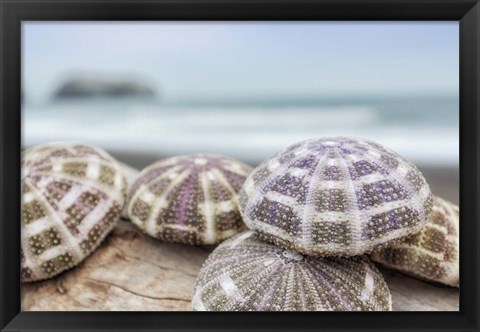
443	181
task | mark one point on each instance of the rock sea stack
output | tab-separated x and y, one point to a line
102	88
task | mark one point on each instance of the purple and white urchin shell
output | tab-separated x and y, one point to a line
335	197
246	274
189	199
433	253
72	197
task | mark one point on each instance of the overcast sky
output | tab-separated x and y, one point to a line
238	60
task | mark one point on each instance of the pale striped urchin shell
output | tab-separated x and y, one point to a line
433	253
247	274
72	196
337	196
189	199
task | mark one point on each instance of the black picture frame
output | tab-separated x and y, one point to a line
13	12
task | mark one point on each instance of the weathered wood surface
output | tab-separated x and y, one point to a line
133	272
130	271
409	294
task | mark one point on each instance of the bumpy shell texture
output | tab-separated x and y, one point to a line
189	199
72	196
433	253
246	274
335	197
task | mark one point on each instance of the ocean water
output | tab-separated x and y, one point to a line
424	130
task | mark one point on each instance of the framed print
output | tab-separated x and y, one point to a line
239	165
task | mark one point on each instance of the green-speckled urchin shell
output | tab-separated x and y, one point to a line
335	197
431	254
189	199
247	274
72	196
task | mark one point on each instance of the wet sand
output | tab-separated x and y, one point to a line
443	181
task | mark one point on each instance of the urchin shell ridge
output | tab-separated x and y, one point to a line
72	196
432	254
247	274
189	199
335	196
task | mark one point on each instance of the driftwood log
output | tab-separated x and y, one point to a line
130	271
133	272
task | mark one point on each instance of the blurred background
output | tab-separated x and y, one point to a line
144	91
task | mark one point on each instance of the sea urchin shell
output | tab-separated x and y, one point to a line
72	196
189	199
337	196
247	274
432	253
